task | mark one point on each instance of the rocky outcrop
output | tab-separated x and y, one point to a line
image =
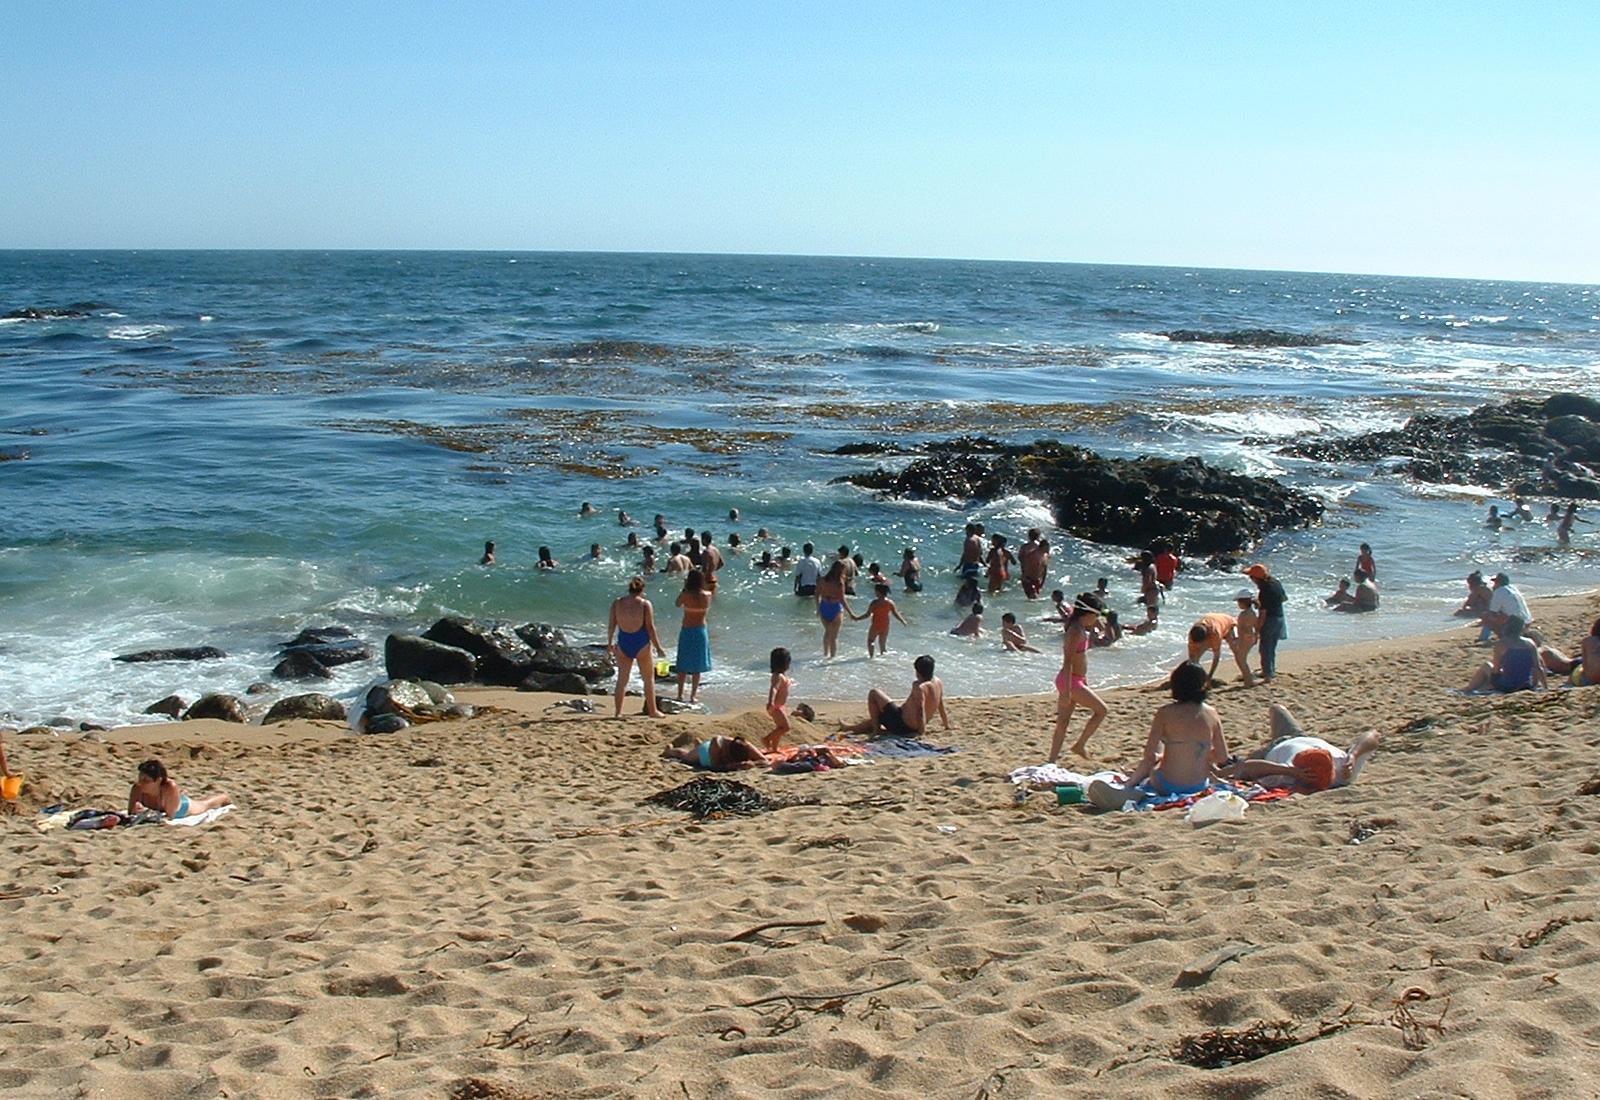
226	708
408	656
1125	502
312	706
192	653
1254	338
503	657
1548	447
55	313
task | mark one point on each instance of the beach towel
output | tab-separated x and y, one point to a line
202	819
1040	777
906	748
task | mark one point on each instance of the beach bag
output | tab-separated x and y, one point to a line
1217	806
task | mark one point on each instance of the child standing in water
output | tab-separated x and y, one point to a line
778	699
878	611
1072	682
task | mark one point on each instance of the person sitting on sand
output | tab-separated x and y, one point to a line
154	789
1364	598
1307	764
1582	670
1516	665
972	625
1505	603
1012	637
1212	632
908	719
631	635
1477	601
778	689
488	554
718	754
1341	595
1184	744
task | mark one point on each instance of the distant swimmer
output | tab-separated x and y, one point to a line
970	565
586	510
1033	560
595	553
910	571
545	560
998	563
1521	511
733	515
1366	563
1494	522
488	554
624	520
807	572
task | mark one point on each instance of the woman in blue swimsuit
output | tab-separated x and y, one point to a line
631	634
832	606
154	789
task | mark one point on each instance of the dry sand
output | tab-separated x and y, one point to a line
484	908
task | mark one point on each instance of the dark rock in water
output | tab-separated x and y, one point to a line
562	683
258	688
329	654
301	665
590	663
384	723
61	721
406	655
319	635
1126	502
1526	446
503	657
55	313
192	653
314	706
172	706
1254	338
91	727
226	708
872	447
540	635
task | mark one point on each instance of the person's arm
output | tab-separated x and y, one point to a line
1539	679
1219	745
944	716
650	625
844	601
1152	744
1216	656
772	690
895	611
134	805
611	627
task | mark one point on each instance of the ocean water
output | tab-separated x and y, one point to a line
234	445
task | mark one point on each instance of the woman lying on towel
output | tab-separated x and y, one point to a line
154	789
1307	764
1581	671
1185	742
719	754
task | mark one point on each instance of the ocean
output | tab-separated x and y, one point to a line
230	446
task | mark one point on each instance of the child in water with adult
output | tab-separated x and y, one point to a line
778	698
154	789
1012	637
631	634
694	640
878	613
1072	682
832	606
1184	745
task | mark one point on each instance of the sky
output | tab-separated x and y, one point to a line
1398	138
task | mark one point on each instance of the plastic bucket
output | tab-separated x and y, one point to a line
1069	794
10	787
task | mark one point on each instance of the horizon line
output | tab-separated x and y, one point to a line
822	256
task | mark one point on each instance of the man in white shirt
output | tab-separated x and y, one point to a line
807	571
1505	603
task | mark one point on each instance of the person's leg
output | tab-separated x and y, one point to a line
1064	708
682	676
1239	653
209	802
624	670
694	687
689	755
1269	650
1282	723
1555	660
1482	678
1364	747
1097	714
876	701
647	673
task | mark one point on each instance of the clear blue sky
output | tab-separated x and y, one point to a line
1408	138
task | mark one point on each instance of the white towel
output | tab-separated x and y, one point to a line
202	819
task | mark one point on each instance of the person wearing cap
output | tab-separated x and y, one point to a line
1274	627
1505	603
1307	764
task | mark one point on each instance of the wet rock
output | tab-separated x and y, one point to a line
408	656
437	692
1254	338
540	635
191	653
503	657
1125	502
300	664
172	706
1526	446
319	635
92	727
562	683
591	662
226	708
55	313
312	706
258	688
397	697
384	723
329	654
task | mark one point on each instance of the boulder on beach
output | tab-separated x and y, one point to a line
562	683
225	708
397	697
540	635
190	653
503	657
408	656
384	723
1195	506
312	706
1528	446
172	706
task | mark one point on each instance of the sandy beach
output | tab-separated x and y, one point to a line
485	908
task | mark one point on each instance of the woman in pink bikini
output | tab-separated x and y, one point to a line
1072	683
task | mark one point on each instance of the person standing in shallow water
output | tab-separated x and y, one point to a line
631	634
1274	627
694	640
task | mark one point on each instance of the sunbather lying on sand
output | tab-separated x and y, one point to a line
1582	670
1185	742
719	754
154	789
1292	759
